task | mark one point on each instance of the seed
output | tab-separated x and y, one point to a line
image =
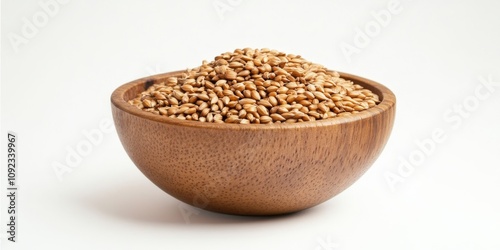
149	103
291	98
247	101
225	100
272	89
314	114
255	86
262	110
277	117
305	103
203	97
214	107
359	108
282	110
159	96
265	119
239	86
319	95
205	112
187	88
255	95
230	75
288	115
172	101
203	106
273	100
309	95
163	111
177	94
244	73
185	99
239	94
233	119
247	93
265	103
171	81
250	108
235	65
217	117
189	105
311	87
214	100
190	111
323	107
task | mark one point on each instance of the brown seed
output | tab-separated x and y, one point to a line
190	111
282	110
288	115
225	100
305	103
359	108
309	95
185	99
233	119
149	103
230	75
282	90
265	103
172	111
163	111
247	101
159	96
323	108
255	95
217	117
235	65
173	102
177	94
272	89
262	110
239	86
172	81
314	114
214	100
244	73
273	100
203	106
319	95
277	117
291	85
265	119
247	93
187	88
205	112
250	117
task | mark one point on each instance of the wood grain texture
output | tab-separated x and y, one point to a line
252	169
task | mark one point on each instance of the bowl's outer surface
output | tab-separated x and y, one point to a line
253	169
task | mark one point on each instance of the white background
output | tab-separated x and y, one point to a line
56	84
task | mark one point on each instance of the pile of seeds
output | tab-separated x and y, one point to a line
256	86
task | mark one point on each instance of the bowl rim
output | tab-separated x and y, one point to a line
387	96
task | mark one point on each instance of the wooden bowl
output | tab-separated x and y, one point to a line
252	169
